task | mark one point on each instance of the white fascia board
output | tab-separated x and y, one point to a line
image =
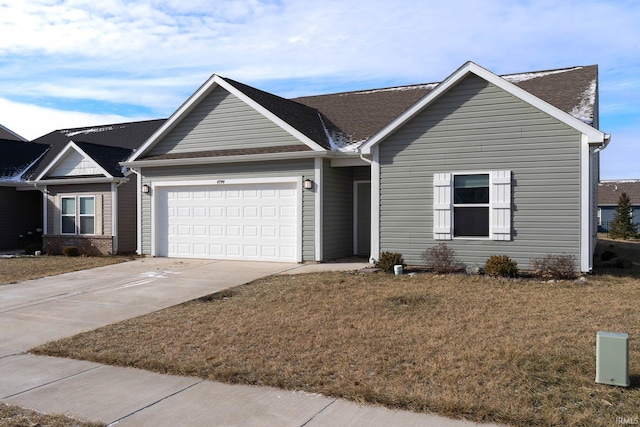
225	159
71	146
65	181
594	135
176	117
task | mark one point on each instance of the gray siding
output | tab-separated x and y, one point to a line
361	173
337	212
609	213
302	168
478	127
20	214
221	121
127	212
102	192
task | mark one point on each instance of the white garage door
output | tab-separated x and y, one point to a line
237	221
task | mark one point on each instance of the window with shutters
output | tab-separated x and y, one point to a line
472	205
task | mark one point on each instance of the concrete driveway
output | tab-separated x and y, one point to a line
37	311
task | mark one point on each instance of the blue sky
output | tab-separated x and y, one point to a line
71	63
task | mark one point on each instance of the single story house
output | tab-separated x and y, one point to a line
487	164
79	191
608	196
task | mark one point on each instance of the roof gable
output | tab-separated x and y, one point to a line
267	105
73	162
129	136
593	135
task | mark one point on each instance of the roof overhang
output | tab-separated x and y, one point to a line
594	136
226	159
84	180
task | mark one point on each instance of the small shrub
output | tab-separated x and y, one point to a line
555	266
501	266
388	260
70	251
442	259
32	248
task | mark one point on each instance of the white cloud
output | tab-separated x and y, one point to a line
32	121
155	53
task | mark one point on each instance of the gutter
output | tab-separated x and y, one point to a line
605	143
225	159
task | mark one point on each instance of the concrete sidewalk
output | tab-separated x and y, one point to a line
37	311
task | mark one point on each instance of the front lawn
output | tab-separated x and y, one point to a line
15	416
520	352
18	269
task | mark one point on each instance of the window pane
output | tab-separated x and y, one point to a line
87	225
471	222
471	189
86	206
68	225
68	205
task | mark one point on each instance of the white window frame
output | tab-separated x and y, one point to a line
74	215
470	205
499	205
81	215
77	215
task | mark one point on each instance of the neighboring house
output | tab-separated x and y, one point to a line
90	201
20	203
486	164
608	196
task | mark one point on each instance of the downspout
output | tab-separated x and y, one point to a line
115	218
45	201
138	173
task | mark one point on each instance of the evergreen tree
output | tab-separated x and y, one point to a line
622	226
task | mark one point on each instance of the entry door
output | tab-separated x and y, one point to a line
363	218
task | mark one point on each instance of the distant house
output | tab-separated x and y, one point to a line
487	164
90	198
20	204
608	196
68	189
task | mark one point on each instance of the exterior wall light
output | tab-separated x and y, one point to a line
145	189
308	184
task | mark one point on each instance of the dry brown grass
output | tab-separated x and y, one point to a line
14	416
18	269
510	351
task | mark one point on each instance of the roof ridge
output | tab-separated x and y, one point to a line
62	130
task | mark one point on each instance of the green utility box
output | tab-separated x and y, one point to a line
612	358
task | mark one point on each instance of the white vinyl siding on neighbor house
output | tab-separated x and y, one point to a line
472	205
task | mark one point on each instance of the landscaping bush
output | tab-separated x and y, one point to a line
442	259
32	248
388	260
70	251
501	266
554	266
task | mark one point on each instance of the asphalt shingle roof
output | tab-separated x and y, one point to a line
17	156
105	144
609	192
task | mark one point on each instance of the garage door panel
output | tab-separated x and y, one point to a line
248	221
